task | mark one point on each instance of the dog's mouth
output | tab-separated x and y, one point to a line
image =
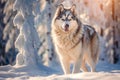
66	28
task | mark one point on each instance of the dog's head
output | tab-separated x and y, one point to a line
65	19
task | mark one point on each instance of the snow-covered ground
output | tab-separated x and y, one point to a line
27	44
105	71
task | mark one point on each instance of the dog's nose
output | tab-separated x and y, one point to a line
67	25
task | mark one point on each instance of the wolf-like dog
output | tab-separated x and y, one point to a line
74	42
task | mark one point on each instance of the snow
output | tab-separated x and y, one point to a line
27	41
27	66
105	71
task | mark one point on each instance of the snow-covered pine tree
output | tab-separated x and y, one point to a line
110	31
10	33
117	29
114	28
27	41
2	25
48	16
48	12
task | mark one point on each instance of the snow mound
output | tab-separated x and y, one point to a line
105	71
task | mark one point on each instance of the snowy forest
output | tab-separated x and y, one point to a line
26	47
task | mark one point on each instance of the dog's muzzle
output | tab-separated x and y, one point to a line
65	27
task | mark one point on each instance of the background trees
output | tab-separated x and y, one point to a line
8	33
34	17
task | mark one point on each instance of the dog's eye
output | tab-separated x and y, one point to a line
73	17
69	19
63	19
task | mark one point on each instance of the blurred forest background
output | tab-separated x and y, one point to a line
103	15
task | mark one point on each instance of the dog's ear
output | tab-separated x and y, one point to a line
60	9
73	9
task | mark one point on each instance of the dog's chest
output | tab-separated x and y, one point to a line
72	53
69	46
68	42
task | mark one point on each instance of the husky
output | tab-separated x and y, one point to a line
75	43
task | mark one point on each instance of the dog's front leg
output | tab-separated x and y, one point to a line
77	65
65	65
